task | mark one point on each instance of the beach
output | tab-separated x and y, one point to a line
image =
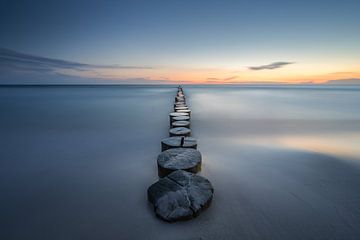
76	161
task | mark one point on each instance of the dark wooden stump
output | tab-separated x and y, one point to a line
180	102
180	196
177	142
180	105
179	131
180	124
177	114
184	111
181	108
187	159
181	118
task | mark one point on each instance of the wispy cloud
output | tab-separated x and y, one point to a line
222	79
16	67
349	81
28	62
270	66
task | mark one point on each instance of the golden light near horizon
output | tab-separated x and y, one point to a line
296	73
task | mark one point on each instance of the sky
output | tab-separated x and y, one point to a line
179	41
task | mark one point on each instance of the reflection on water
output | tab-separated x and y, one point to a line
340	144
315	119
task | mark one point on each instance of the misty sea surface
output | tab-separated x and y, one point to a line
76	161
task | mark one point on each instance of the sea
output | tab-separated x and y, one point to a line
76	161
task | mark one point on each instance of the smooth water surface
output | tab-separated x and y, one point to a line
76	161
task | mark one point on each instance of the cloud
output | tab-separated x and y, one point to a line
16	67
212	79
26	62
349	81
270	66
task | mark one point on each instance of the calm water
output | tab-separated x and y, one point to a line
75	162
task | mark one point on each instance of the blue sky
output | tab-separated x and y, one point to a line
185	40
